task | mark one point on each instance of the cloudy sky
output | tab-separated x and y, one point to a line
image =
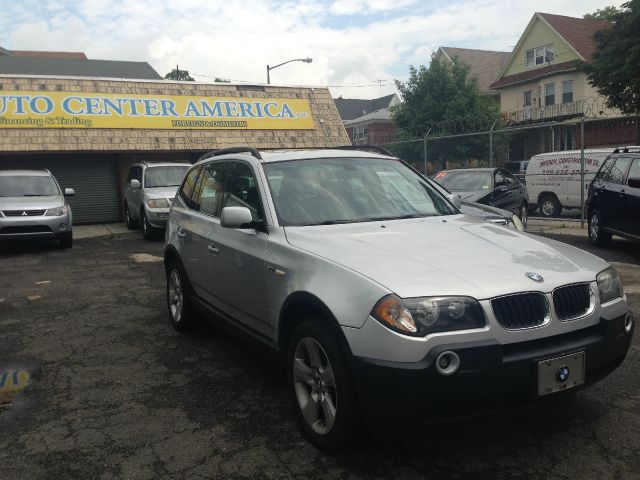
358	46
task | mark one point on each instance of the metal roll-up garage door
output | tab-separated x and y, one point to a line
96	186
93	177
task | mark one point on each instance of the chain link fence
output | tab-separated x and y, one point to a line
555	160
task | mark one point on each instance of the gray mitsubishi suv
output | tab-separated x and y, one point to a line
32	205
387	305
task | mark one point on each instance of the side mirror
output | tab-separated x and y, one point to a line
455	199
235	217
69	192
634	182
135	183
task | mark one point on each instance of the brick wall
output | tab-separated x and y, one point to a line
329	129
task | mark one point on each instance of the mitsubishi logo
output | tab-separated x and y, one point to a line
24	214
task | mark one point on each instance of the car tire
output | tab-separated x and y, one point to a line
524	214
597	235
65	240
322	390
181	313
131	224
148	232
549	206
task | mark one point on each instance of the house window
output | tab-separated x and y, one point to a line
539	55
360	132
550	94
530	60
567	91
527	99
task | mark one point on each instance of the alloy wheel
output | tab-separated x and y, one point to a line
547	208
315	385
175	296
523	215
594	227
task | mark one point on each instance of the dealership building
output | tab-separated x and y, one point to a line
88	120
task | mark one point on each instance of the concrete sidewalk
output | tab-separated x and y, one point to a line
535	225
105	230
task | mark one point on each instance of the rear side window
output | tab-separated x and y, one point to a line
619	169
603	173
188	185
208	190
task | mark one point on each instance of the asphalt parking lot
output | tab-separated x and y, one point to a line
114	392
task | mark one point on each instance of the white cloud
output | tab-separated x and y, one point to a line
352	42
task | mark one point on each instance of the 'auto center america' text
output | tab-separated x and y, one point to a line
148	107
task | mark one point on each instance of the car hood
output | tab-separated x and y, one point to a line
161	192
452	255
31	203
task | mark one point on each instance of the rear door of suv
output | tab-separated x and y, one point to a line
631	200
614	193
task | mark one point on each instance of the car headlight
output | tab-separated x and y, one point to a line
517	223
609	285
424	315
158	203
56	212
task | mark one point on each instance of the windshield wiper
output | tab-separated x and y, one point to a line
327	222
401	217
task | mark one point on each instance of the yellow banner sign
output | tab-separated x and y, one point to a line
26	109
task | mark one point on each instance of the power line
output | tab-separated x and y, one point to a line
376	83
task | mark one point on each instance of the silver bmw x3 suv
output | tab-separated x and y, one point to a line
385	303
32	205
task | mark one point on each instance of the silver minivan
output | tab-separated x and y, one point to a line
32	205
385	303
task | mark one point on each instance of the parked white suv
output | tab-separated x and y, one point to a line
385	303
148	193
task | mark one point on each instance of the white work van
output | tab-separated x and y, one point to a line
553	179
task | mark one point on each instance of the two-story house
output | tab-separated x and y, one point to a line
368	122
541	82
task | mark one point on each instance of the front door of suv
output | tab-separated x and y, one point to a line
631	200
613	194
237	261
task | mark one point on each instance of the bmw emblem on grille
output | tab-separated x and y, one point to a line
536	277
563	373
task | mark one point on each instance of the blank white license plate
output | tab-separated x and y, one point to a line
560	373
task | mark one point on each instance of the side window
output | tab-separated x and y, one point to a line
138	174
206	195
241	190
619	170
603	173
509	179
131	174
499	178
188	185
634	172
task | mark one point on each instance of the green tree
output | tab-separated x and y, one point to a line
607	13
180	75
445	99
615	67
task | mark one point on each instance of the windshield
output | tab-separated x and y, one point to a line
28	186
164	176
346	190
464	180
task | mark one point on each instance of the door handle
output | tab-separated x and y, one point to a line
181	234
213	249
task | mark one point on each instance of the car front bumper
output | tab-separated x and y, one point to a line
491	376
157	217
13	228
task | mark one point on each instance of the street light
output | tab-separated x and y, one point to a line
305	60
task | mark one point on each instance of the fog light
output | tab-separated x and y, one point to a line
62	227
628	322
447	363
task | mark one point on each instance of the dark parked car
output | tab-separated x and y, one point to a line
614	198
490	186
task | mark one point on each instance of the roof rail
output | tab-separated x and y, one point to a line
226	151
627	149
366	148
